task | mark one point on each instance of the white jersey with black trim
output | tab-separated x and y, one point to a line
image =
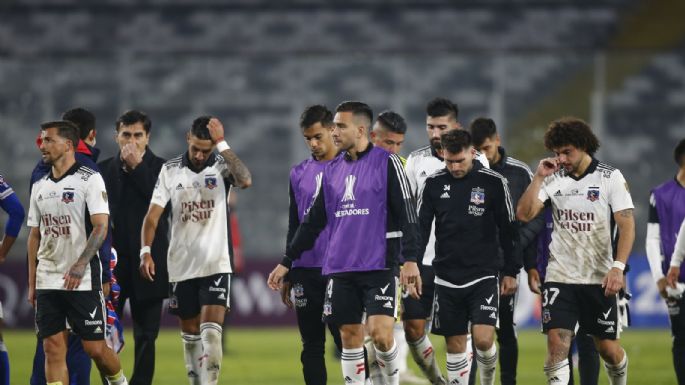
199	217
60	208
421	164
581	249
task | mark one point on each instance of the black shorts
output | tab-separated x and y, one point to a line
349	295
420	308
564	305
186	298
455	307
84	310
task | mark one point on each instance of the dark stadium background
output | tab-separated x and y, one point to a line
619	64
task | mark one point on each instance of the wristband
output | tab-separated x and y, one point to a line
619	265
222	146
143	250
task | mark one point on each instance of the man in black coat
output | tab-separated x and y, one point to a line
130	177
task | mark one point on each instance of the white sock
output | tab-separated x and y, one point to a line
192	354
388	362
402	348
487	362
558	374
458	368
375	374
618	374
352	362
424	356
210	333
117	379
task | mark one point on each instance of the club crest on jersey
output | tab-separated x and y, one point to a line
68	196
593	194
477	196
298	290
210	182
546	317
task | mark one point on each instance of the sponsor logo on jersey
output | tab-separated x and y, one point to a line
573	192
558	193
606	315
385	288
493	315
68	197
92	322
56	225
489	299
445	195
383	297
388	305
476	211
477	196
92	314
575	221
197	211
593	194
104	196
196	184
221	296
298	290
610	329
210	182
179	187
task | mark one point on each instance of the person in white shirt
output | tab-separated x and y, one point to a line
583	277
197	184
64	269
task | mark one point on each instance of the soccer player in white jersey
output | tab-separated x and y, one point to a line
441	116
583	278
64	271
197	183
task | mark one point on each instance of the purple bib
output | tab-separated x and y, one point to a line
305	180
356	197
670	206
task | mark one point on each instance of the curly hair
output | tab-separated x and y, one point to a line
571	131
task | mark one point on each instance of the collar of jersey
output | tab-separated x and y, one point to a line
72	170
359	154
185	162
589	170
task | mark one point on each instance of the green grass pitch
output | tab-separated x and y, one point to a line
272	356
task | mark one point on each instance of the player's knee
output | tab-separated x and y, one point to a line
611	351
382	339
483	342
94	350
54	348
413	331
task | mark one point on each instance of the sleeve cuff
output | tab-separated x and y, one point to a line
287	262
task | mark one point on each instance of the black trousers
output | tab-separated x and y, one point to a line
588	359
676	308
508	342
309	289
146	315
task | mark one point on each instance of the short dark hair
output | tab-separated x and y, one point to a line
679	153
455	141
82	118
392	121
317	113
442	107
481	129
66	129
357	109
132	117
571	131
199	129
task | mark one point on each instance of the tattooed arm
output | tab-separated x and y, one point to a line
72	279
241	175
626	231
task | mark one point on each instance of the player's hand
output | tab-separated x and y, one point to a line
73	277
547	167
216	130
509	285
32	296
131	156
275	280
661	285
613	282
285	294
672	276
147	267
410	278
106	288
534	281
